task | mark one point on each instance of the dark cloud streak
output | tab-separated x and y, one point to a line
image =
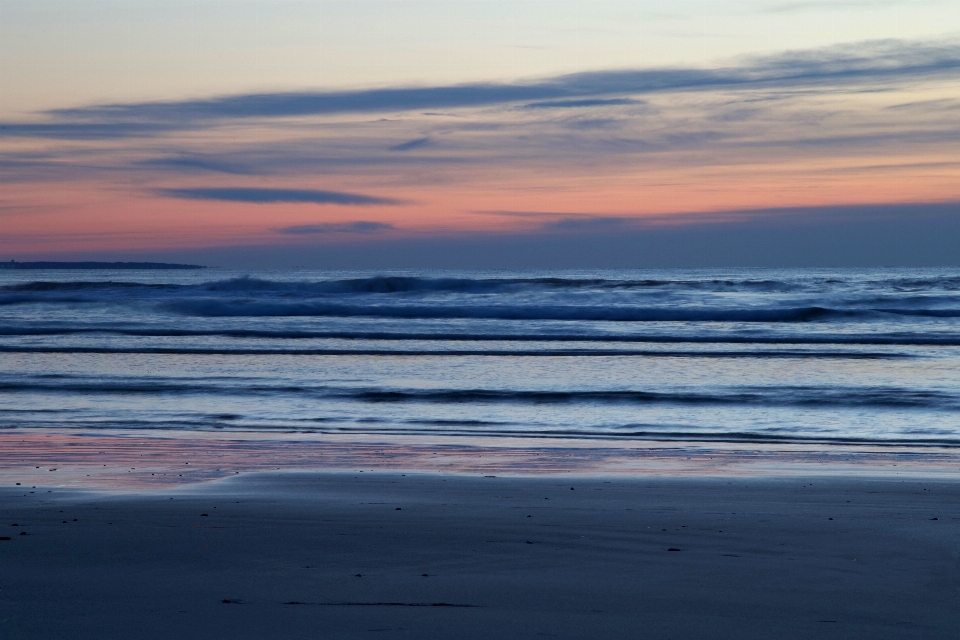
265	196
563	222
575	104
359	226
191	164
411	144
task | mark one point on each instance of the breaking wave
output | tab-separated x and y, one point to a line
773	396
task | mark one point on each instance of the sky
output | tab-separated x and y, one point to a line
482	134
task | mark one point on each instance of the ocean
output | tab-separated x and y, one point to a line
844	356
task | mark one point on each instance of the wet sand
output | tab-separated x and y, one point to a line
159	459
448	556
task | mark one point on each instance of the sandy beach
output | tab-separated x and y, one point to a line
416	555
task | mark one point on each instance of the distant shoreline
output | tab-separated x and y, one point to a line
97	265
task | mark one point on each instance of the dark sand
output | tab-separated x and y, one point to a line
758	558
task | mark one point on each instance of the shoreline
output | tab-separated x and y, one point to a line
141	461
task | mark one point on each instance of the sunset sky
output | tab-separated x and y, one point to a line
666	133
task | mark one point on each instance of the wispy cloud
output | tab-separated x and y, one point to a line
105	129
264	196
846	66
359	226
834	5
942	104
563	222
840	124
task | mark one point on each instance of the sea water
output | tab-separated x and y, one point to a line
814	356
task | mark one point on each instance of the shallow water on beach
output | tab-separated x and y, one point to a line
812	356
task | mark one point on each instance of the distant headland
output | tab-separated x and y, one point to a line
13	264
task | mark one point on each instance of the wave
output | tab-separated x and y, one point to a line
650	433
399	284
837	397
491	429
610	313
946	283
43	286
413	284
797	396
679	338
221	308
759	300
552	353
927	313
74	292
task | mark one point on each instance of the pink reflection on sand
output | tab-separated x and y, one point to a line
122	461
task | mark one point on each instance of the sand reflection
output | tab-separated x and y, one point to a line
117	461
